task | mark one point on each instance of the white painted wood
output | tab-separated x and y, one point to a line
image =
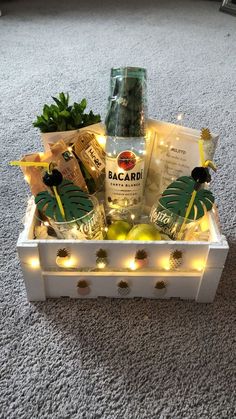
121	253
34	282
181	285
212	273
208	285
217	254
187	283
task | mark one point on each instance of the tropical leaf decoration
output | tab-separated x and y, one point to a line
178	194
75	201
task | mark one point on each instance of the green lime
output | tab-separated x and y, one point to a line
145	232
118	230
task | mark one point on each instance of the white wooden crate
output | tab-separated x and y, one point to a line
197	279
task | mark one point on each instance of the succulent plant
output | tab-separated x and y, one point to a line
101	253
64	117
141	254
63	253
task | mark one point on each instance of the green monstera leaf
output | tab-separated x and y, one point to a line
76	203
177	196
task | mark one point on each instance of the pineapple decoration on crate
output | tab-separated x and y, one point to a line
123	288
160	289
83	287
63	258
141	259
101	259
175	259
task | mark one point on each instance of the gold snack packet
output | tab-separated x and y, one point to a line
65	162
91	154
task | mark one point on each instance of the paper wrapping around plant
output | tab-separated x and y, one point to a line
174	153
69	137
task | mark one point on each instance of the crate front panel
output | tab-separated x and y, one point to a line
121	254
183	286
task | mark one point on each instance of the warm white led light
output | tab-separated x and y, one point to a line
165	263
199	265
180	117
101	140
65	262
34	263
132	265
101	265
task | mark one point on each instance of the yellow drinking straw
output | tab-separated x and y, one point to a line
49	167
201	151
59	203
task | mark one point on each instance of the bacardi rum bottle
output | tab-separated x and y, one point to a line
125	145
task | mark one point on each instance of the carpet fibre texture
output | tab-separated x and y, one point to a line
116	358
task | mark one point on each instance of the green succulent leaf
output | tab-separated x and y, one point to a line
75	201
58	102
177	196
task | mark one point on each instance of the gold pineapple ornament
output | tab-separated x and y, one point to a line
83	287
160	289
206	134
123	288
63	257
209	143
176	259
141	258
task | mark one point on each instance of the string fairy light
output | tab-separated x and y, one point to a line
180	117
101	264
132	265
34	263
199	265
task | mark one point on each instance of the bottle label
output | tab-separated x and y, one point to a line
124	180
